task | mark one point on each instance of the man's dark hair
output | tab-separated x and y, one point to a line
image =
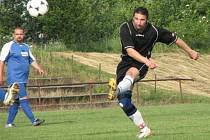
141	10
19	28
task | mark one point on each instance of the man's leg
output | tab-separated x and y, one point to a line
125	84
9	99
27	109
124	95
13	110
24	102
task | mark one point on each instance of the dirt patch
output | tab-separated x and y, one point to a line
169	65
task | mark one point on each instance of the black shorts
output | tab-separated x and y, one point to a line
127	63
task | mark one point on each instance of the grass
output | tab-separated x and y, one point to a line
65	67
168	119
168	122
148	96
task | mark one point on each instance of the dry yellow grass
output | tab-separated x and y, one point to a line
170	65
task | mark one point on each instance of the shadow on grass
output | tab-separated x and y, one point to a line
46	123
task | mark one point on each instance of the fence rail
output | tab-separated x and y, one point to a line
88	98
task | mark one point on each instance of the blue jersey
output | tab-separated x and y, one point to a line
18	58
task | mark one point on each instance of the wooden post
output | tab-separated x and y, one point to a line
180	88
51	58
91	93
39	95
99	72
61	99
72	66
72	59
39	91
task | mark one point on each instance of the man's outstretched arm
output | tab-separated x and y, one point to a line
192	53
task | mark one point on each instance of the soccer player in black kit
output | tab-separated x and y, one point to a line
138	38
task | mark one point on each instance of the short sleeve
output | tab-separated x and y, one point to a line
5	51
165	36
126	37
31	57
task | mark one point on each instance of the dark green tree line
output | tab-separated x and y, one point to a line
80	23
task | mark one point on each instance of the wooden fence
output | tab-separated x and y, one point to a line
87	99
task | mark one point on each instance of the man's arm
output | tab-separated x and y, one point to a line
193	54
168	37
1	72
37	67
138	57
4	53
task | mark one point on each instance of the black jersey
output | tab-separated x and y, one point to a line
143	42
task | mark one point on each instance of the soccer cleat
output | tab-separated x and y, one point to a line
12	92
10	125
144	132
38	122
112	89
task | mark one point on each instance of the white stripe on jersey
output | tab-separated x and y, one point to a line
5	50
31	55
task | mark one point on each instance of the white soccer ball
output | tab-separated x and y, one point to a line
37	7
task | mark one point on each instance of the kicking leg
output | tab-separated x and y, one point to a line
11	94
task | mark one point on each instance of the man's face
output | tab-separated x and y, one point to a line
18	35
139	21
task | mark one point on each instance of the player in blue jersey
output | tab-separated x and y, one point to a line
18	58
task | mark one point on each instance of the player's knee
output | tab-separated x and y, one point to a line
125	84
125	103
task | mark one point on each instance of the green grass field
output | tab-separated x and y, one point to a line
168	122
